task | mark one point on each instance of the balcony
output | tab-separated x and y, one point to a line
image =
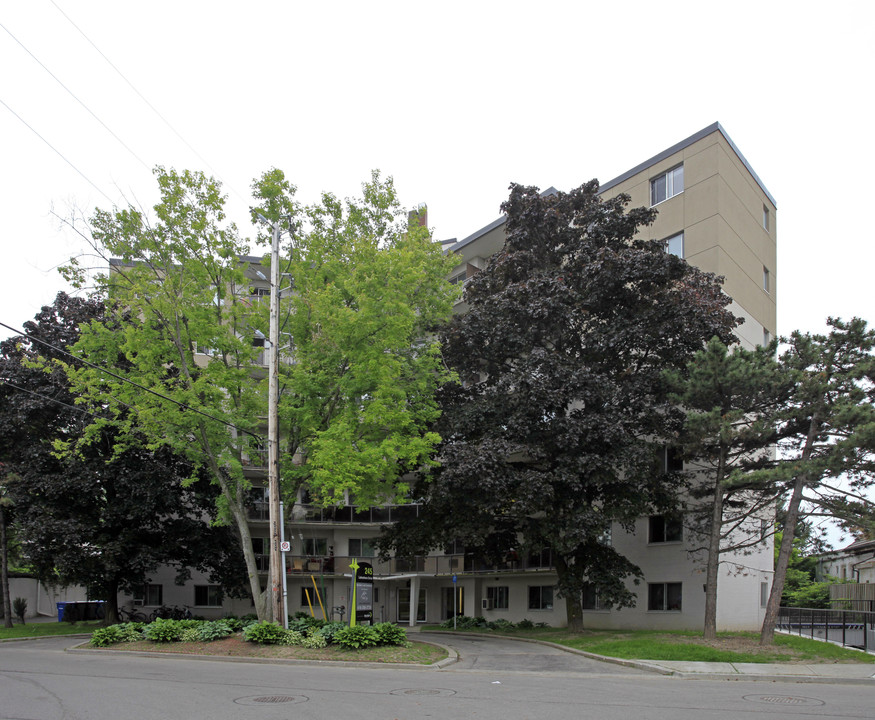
419	564
258	511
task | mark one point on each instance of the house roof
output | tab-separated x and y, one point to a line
695	137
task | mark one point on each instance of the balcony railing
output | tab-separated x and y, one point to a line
258	510
419	564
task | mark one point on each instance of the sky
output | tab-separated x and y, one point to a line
455	100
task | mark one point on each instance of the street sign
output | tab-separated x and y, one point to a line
455	579
285	546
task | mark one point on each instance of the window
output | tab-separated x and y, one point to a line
456	547
308	597
315	546
766	280
591	600
500	597
149	595
541	597
667	185
765	218
260	545
256	293
664	596
541	558
670	460
360	547
665	529
208	595
458	278
675	244
764	594
767	337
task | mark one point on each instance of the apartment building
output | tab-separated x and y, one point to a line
715	212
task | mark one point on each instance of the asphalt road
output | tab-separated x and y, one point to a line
494	680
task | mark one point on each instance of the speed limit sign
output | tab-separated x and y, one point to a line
285	546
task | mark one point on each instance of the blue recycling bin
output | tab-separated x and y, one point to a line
61	607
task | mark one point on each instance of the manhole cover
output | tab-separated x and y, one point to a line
784	700
423	691
270	699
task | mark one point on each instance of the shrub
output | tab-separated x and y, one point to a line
502	624
390	634
209	631
292	637
305	625
525	624
357	637
19	608
163	630
131	632
315	641
264	633
106	636
329	630
189	635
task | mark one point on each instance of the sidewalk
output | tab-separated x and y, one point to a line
857	673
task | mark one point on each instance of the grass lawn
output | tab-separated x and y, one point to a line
45	629
690	647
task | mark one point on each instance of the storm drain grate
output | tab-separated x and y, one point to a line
270	699
784	700
423	691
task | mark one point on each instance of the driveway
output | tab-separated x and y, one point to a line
503	655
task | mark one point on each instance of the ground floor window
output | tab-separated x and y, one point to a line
149	595
208	595
499	597
664	596
764	594
540	597
591	599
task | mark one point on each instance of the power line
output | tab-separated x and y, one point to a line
143	98
73	95
51	399
130	382
60	154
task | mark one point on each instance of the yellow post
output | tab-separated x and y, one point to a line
318	596
307	593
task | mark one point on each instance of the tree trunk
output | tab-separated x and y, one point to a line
4	570
573	605
712	571
110	607
767	635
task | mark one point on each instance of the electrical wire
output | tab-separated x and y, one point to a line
143	98
60	154
76	98
182	405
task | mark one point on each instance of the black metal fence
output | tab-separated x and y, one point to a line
852	628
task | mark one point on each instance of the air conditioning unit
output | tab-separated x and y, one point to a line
486	604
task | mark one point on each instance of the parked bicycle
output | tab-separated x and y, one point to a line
166	612
131	615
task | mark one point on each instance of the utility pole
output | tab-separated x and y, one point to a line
277	571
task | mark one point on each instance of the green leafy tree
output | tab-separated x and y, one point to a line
564	410
97	517
360	291
730	399
829	427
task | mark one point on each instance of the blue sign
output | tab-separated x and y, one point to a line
454	579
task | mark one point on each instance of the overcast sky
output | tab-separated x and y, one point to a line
453	99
